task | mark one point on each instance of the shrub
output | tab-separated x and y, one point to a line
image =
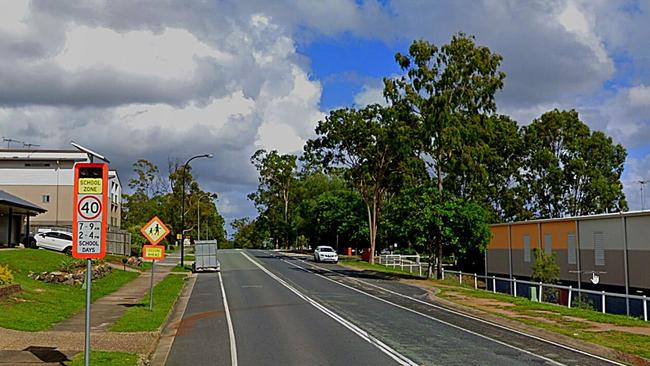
6	277
69	265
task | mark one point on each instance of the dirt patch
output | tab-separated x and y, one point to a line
603	327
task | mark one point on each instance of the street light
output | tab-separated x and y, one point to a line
183	203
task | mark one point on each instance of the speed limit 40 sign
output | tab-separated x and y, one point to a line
90	215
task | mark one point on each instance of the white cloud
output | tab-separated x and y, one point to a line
370	95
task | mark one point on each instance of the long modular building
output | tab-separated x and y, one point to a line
615	248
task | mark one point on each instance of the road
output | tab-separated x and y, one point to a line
287	311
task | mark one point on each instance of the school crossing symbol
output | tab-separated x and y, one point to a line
155	230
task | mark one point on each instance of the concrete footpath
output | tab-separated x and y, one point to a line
66	339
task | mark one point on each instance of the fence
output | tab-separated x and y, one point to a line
117	241
403	261
605	302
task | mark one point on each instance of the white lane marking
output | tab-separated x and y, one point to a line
399	358
231	330
453	312
428	316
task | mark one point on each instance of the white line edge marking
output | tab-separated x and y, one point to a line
231	330
399	358
453	312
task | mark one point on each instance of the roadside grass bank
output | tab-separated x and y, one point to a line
139	318
378	268
101	358
179	268
41	305
625	334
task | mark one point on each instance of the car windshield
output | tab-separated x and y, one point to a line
326	249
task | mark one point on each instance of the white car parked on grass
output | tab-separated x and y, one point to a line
324	253
60	241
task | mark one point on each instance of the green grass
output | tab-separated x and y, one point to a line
139	318
189	257
41	305
179	268
105	358
361	264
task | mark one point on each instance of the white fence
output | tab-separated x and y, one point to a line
603	301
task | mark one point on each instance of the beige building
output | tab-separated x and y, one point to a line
46	178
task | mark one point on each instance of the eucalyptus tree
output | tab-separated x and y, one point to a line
277	177
374	147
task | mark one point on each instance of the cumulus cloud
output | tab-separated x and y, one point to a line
163	84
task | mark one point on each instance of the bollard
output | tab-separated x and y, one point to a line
443	274
645	309
514	281
475	282
460	277
570	292
540	291
603	301
494	284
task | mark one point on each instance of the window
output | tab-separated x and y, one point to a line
527	248
65	237
599	248
548	244
571	248
45	198
52	235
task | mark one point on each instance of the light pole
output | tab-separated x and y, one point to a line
642	183
183	202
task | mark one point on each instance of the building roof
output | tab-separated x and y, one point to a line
581	218
13	201
18	154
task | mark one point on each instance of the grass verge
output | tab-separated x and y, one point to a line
101	358
572	322
361	264
140	319
41	305
179	268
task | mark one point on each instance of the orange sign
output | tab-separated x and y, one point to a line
153	252
155	230
89	215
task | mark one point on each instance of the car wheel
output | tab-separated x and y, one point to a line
315	259
67	251
32	243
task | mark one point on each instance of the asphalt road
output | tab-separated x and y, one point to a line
287	311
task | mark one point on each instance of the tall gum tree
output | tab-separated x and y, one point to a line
446	90
373	145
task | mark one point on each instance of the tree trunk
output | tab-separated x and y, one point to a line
372	226
430	264
439	257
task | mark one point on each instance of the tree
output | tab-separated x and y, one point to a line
569	170
446	90
373	145
277	175
437	224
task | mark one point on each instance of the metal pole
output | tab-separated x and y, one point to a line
645	308
603	301
183	215
153	265
569	299
198	217
89	276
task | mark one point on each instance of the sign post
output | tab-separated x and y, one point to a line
155	231
89	225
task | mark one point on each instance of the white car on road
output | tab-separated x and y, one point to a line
324	253
60	241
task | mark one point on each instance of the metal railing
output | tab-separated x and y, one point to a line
404	262
603	301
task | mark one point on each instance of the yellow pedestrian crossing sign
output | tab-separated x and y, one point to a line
155	230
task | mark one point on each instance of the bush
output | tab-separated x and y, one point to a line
69	265
6	277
